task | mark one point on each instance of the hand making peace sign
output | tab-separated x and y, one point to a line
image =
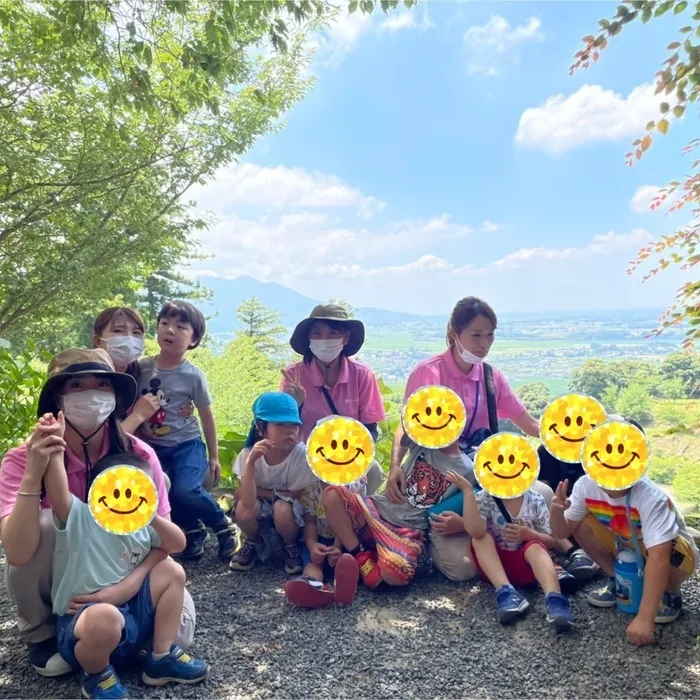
293	385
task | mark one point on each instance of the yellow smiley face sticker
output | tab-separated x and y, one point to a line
566	423
616	455
340	450
123	500
506	465
434	417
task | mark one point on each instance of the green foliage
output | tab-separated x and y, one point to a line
609	399
591	378
634	402
22	375
671	389
686	485
662	470
536	397
230	445
683	368
387	428
671	414
262	325
679	81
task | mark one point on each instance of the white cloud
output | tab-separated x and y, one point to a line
281	187
339	39
643	197
397	22
489	227
589	115
489	46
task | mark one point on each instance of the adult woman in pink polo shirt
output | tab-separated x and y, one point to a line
327	381
84	384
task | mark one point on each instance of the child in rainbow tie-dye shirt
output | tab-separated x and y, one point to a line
669	551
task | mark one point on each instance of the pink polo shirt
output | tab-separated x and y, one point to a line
356	394
442	369
15	461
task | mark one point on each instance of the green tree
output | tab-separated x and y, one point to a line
671	389
684	368
592	378
679	80
109	113
608	398
634	402
536	397
262	325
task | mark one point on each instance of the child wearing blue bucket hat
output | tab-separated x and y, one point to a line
273	471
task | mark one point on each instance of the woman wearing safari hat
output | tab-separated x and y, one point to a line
327	381
92	395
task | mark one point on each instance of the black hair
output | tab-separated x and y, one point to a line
119	460
186	313
466	310
339	326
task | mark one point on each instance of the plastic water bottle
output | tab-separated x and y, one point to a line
628	583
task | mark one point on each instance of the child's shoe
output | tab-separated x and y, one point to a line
194	549
511	603
581	566
307	592
175	667
347	573
292	559
244	558
669	608
369	569
227	541
603	597
558	611
567	583
105	684
45	659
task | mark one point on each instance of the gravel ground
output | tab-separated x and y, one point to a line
434	639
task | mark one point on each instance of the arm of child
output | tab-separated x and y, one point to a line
172	538
56	482
474	523
206	415
563	526
143	409
248	492
656	573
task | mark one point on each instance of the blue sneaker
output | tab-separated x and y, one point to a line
669	608
176	667
558	611
605	596
105	684
511	603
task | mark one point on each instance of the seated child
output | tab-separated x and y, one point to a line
88	559
669	551
273	472
514	553
385	532
322	556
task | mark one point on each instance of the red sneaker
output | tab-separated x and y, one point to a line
308	592
369	569
346	574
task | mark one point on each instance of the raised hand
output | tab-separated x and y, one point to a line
560	502
293	385
458	480
45	441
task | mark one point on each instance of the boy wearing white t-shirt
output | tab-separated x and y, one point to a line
669	551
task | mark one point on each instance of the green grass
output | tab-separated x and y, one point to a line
556	385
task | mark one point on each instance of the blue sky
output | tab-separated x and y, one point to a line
446	151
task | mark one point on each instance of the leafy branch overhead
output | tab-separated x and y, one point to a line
679	80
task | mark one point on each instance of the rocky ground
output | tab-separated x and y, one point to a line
434	639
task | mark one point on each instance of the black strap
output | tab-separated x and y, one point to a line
503	509
327	394
491	398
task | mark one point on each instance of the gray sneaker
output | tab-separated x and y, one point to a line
669	608
581	566
244	558
292	559
604	596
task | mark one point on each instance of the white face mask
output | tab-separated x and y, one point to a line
88	410
124	349
469	357
326	350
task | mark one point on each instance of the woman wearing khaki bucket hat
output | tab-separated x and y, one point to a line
327	381
84	385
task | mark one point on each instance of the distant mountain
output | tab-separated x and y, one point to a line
230	293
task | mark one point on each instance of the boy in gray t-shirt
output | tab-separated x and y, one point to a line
88	559
176	438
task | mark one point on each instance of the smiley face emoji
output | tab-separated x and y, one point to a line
340	450
616	455
123	500
506	465
434	417
566	423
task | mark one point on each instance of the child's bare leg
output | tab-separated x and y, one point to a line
543	567
283	517
489	561
98	631
247	520
675	579
167	592
314	571
563	546
339	519
595	550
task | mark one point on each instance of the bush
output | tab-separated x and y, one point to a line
22	374
663	469
671	414
634	402
686	485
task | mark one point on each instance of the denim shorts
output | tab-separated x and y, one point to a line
139	622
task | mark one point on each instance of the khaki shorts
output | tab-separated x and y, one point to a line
682	551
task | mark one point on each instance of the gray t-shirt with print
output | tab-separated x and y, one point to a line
426	486
174	389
